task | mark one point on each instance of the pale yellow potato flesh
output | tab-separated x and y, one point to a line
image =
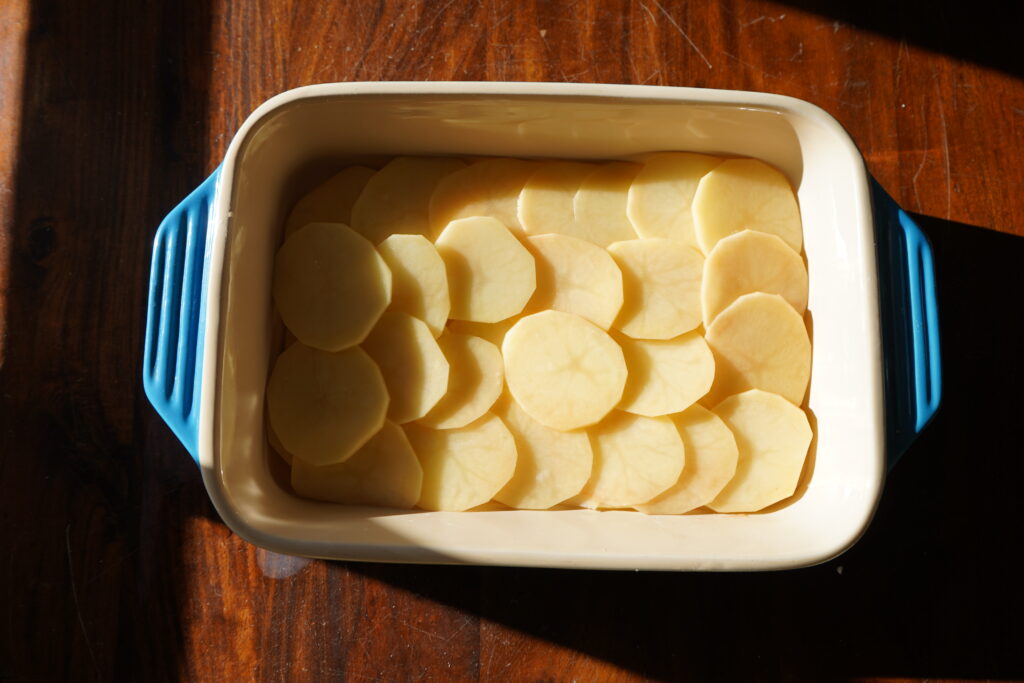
661	287
397	199
711	457
464	467
491	275
551	467
666	376
331	201
546	202
487	188
413	365
745	194
384	472
599	206
492	332
759	342
475	381
575	276
324	406
751	261
419	282
330	286
275	443
563	370
661	195
635	459
772	436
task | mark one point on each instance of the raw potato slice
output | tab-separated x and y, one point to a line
384	472
600	204
564	371
275	443
551	467
331	201
330	286
662	194
576	276
635	459
464	467
475	381
487	188
666	376
492	332
747	262
419	283
760	342
661	287
397	198
745	194
773	436
491	276
711	457
545	204
414	368
323	406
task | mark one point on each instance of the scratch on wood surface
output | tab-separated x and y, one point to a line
913	181
74	595
903	49
762	72
945	150
678	28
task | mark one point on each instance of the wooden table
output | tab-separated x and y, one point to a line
118	568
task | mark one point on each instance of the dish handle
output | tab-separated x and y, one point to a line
176	315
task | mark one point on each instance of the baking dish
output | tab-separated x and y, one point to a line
875	383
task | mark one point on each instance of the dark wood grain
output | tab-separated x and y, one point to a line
117	566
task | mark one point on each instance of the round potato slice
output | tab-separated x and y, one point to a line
323	406
666	376
551	467
773	436
331	201
661	195
275	443
413	365
487	188
545	204
419	283
564	371
635	459
464	467
397	199
745	194
661	287
491	276
384	472
599	206
475	381
330	286
751	261
492	332
711	456
760	342
575	276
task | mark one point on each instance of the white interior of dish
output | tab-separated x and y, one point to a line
297	137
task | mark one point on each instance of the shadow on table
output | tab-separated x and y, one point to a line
932	590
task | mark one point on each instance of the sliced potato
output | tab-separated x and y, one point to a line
575	276
635	459
487	188
661	287
773	436
666	376
464	467
545	204
551	467
492	332
413	365
397	199
491	276
324	406
275	442
384	472
661	196
330	286
711	456
760	342
751	261
745	194
419	283
331	201
599	206
475	381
